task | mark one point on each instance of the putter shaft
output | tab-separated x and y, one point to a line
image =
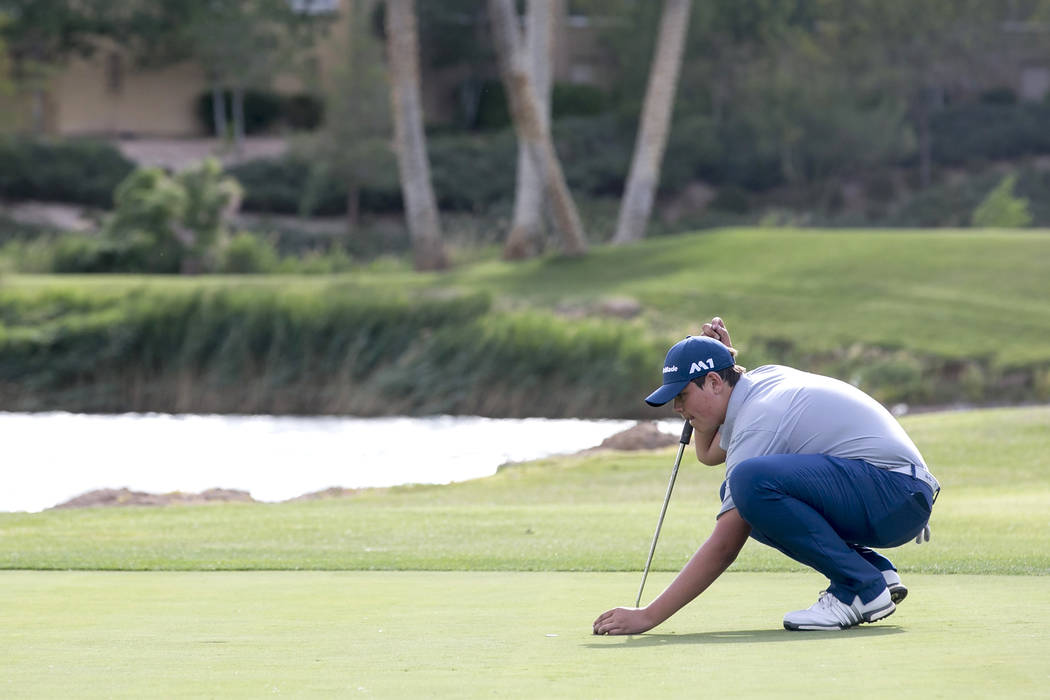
687	432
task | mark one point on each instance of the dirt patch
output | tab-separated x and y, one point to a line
614	307
179	154
643	435
126	497
62	217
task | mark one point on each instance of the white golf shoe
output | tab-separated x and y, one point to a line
829	613
898	591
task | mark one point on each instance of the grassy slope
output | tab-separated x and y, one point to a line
578	513
955	294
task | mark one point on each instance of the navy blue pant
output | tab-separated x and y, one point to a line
826	512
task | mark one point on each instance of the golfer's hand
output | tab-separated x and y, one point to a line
717	329
623	621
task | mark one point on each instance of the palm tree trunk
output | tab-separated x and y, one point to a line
218	110
525	239
421	212
532	130
637	204
238	120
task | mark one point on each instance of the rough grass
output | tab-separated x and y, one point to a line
958	294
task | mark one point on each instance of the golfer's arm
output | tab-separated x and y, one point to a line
714	556
708	449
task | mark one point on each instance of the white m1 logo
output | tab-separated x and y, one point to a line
701	366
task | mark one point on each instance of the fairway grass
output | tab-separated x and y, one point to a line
502	634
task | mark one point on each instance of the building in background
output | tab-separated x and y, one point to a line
108	94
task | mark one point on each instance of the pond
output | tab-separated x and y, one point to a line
52	457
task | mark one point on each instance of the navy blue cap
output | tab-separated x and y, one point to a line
687	360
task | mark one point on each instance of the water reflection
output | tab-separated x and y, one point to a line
52	457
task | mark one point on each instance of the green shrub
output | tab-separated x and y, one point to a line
577	100
493	112
472	172
728	153
148	206
247	253
75	170
317	262
166	223
283	186
210	199
1001	209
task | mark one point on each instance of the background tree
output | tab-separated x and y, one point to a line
243	44
920	52
421	212
41	33
637	203
6	87
353	147
532	129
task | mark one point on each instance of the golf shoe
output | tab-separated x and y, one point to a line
829	613
898	591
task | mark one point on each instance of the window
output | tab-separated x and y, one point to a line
314	7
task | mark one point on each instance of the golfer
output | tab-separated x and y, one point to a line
814	467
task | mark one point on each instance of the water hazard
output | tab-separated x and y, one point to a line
52	457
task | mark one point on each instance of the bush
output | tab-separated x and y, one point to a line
247	253
577	100
77	171
471	172
176	220
279	186
730	153
1001	209
989	131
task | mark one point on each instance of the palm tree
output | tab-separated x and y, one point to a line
637	204
421	212
532	129
526	231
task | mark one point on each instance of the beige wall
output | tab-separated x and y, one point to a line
106	94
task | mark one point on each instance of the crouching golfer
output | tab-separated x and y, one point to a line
814	467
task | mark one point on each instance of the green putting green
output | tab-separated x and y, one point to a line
484	634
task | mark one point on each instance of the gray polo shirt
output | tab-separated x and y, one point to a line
780	410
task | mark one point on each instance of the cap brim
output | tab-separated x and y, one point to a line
665	393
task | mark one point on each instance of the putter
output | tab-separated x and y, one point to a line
687	432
